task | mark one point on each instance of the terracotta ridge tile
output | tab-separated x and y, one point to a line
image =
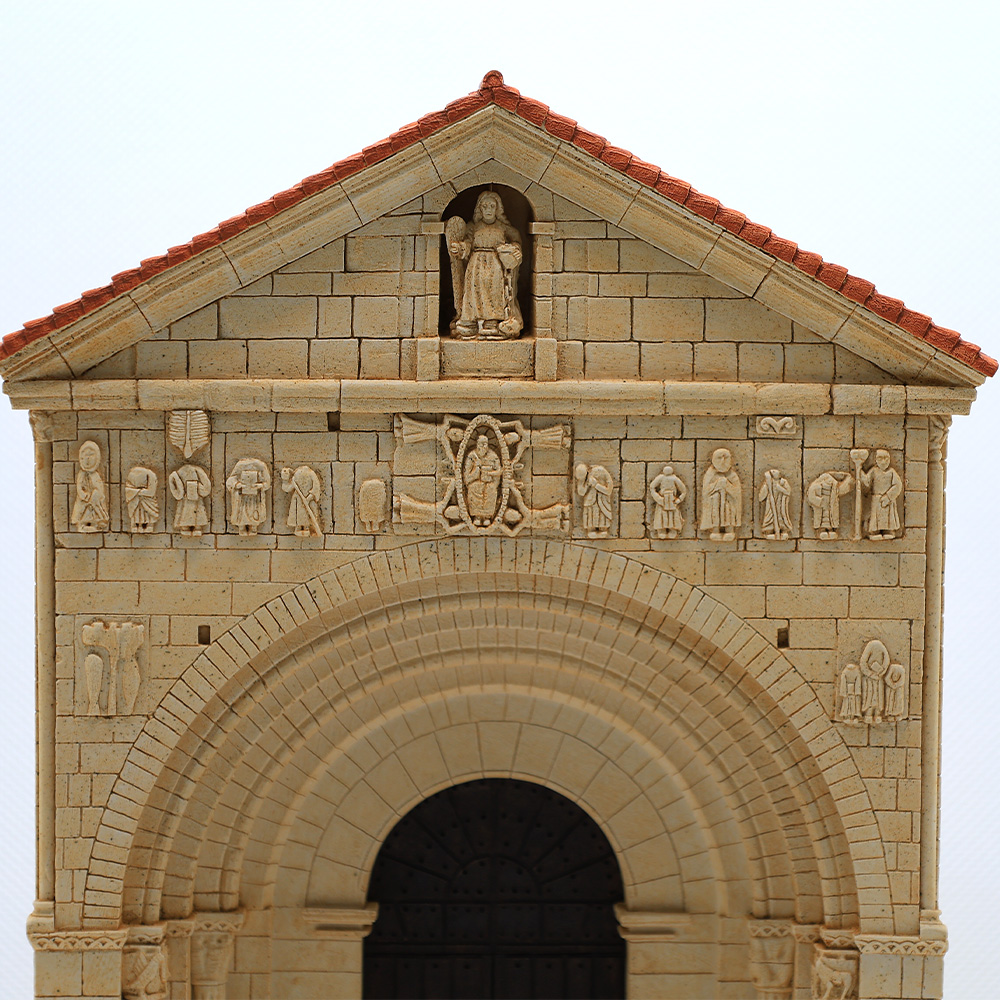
493	90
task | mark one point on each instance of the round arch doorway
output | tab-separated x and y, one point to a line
495	888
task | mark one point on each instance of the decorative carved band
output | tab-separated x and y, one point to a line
881	944
78	940
806	933
769	928
218	923
836	938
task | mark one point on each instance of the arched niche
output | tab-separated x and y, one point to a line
519	212
495	887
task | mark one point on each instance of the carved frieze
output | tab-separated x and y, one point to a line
90	506
248	485
668	493
596	489
773	496
721	498
873	690
111	676
884	486
372	504
780	427
142	502
823	497
188	430
480	490
304	490
191	488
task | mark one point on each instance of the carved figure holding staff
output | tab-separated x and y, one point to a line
303	505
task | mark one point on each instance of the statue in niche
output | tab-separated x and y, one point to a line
823	496
874	690
774	493
667	492
481	474
303	506
485	257
721	498
140	499
90	510
885	485
247	486
595	485
189	486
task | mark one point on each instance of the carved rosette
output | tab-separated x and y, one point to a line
772	958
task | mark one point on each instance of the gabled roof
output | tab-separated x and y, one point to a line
494	91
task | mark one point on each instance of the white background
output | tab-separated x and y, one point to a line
866	132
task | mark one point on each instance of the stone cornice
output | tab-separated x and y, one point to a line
567	398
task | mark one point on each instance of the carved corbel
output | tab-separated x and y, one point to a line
772	958
212	953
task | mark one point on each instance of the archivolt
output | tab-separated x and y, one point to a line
253	730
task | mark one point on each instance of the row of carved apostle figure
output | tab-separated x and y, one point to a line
247	486
249	483
722	500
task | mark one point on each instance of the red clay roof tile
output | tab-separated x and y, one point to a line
493	90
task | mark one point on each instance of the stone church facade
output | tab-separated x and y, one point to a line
493	468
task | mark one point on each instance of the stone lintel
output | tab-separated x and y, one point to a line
649	398
341	923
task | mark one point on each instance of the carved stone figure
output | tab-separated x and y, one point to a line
874	690
823	496
895	692
144	972
667	492
885	485
140	499
721	498
121	643
483	494
189	485
486	255
248	485
188	430
773	496
211	955
849	694
372	504
874	665
90	510
835	975
303	505
595	485
481	474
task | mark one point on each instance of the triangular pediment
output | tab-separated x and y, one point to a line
416	173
